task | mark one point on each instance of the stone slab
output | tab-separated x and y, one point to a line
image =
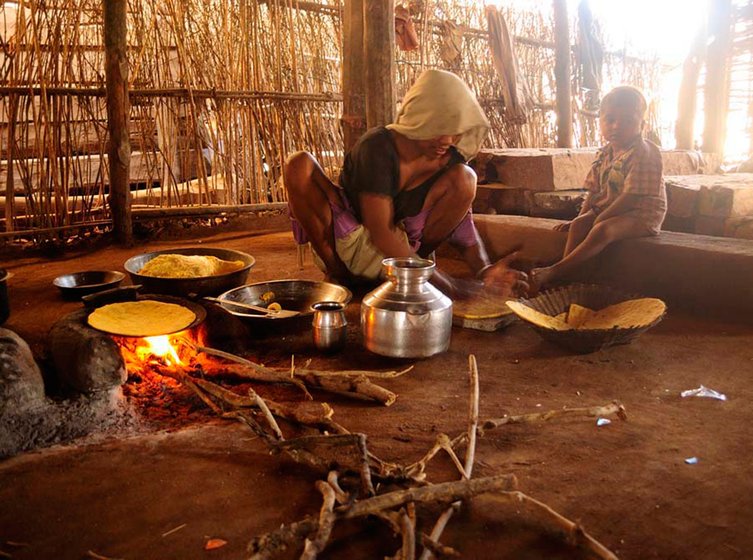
548	169
707	275
728	196
682	195
558	204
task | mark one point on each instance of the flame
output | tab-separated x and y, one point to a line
161	347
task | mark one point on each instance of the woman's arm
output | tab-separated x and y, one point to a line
377	214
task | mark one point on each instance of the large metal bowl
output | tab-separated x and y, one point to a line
190	287
294	295
78	284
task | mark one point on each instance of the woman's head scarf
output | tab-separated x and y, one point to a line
439	103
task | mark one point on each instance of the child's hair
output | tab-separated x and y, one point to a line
629	96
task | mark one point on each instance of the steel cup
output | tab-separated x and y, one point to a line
329	325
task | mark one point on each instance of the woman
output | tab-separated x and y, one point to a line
404	189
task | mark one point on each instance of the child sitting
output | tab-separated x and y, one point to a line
626	196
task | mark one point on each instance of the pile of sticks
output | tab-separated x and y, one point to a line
356	483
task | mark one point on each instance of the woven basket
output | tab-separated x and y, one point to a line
556	301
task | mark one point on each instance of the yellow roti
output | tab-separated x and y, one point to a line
141	318
188	266
626	314
480	308
537	318
577	315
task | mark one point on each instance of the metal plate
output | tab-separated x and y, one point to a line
295	295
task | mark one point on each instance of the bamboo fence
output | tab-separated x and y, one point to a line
221	92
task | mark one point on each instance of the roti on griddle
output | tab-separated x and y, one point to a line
480	307
188	266
141	318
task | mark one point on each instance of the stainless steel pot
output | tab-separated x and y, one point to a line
406	317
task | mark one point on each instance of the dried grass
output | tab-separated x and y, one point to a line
208	75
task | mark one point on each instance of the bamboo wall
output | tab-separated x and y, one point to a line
221	92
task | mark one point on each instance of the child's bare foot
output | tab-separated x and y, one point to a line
539	278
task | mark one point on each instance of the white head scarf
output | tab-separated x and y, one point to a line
439	103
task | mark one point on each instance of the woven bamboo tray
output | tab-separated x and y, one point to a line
556	301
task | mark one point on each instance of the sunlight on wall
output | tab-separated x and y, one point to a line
664	29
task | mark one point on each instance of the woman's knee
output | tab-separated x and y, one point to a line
461	181
298	170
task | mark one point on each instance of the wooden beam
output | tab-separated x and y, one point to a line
354	73
686	99
562	76
716	93
379	51
118	108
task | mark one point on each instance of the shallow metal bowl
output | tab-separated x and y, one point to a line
191	287
294	295
80	284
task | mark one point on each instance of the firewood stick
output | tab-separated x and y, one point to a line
357	387
354	387
304	370
313	547
274	544
557	523
205	399
438	549
266	412
250	370
606	410
408	530
315	415
353	373
470	454
446	492
341	495
473	405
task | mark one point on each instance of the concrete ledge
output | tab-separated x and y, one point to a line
704	275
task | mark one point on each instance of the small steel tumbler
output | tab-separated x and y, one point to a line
329	325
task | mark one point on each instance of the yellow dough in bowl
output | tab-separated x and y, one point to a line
188	266
141	318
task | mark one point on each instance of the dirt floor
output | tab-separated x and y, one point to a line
163	494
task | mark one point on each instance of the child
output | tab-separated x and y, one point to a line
626	196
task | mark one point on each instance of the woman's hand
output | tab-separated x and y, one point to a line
502	280
565	226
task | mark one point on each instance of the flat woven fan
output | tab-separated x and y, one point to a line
630	315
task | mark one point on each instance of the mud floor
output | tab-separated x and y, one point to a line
163	494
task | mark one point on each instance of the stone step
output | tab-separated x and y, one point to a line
715	196
707	275
552	169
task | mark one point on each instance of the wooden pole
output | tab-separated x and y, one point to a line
354	73
118	109
379	52
562	74
686	101
716	93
